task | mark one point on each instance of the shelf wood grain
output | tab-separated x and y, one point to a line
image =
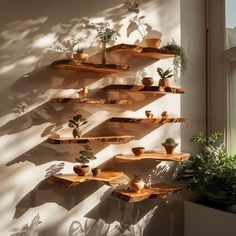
139	51
110	139
159	190
111	178
143	89
158	120
92	101
159	156
89	67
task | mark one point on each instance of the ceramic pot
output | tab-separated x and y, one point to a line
152	42
81	170
164	83
136	185
169	149
147	81
80	57
96	171
138	151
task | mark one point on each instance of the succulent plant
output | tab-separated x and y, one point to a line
86	155
165	74
170	142
75	123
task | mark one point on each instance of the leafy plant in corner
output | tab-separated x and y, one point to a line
212	171
86	155
106	34
180	59
75	123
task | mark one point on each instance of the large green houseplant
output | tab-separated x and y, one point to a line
212	172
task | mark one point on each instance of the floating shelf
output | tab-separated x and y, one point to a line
92	101
89	67
143	89
136	50
110	139
159	156
160	190
111	178
146	120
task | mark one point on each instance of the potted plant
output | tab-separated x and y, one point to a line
212	172
137	184
75	123
165	75
170	145
86	155
138	151
80	56
106	34
180	59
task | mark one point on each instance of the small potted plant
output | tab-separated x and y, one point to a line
80	56
180	59
211	171
170	145
86	155
137	184
149	114
165	75
106	34
75	123
138	151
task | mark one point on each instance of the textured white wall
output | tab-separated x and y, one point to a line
27	84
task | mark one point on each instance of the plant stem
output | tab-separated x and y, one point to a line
104	54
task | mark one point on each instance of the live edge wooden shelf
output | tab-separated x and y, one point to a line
110	139
159	156
159	190
92	101
158	120
143	89
139	51
111	178
89	67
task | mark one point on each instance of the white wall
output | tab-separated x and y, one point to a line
27	83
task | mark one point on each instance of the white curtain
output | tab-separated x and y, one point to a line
233	109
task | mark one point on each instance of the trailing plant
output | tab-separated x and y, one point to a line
180	59
211	170
86	155
75	123
165	74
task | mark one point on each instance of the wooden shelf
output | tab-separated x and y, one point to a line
158	120
110	139
159	156
89	67
92	101
160	190
111	178
136	50
143	89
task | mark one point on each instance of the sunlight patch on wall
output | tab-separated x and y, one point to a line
28	60
7	68
44	41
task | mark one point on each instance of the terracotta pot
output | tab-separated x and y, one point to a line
164	83
152	42
80	57
81	170
147	81
138	151
96	171
137	185
170	149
